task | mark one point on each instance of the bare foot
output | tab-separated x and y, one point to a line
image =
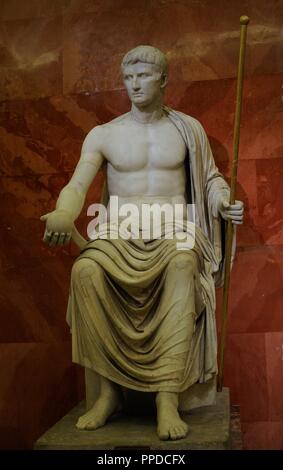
104	407
169	423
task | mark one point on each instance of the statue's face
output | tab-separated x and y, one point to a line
143	82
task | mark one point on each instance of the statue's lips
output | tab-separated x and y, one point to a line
137	94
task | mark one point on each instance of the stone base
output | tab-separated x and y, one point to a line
209	429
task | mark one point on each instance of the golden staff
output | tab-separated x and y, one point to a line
244	21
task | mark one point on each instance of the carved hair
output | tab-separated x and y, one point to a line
147	55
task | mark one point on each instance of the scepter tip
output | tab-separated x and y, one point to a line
244	20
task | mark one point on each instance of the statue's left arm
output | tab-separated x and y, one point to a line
217	190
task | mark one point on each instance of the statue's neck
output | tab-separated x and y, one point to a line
147	115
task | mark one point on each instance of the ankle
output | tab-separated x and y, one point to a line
108	388
167	398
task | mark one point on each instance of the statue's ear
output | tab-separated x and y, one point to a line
164	80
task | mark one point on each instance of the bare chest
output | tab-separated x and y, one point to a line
135	147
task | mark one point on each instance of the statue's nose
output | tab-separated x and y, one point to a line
135	83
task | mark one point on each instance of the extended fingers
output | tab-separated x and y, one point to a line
47	236
64	239
54	239
61	239
68	238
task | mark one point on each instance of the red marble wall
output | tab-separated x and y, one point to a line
59	63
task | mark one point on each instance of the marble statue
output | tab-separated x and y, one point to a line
142	311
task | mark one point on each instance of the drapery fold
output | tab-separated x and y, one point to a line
124	324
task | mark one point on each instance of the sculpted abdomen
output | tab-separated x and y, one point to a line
146	161
164	182
150	181
126	183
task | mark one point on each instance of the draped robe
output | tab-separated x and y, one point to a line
123	324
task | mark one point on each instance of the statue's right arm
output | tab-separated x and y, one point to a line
59	223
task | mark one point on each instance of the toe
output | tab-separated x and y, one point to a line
179	432
81	422
173	433
163	434
184	430
89	426
79	425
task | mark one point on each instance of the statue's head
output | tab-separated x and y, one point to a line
144	72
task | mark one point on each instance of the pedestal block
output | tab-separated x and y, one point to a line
209	429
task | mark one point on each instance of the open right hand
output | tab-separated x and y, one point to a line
59	226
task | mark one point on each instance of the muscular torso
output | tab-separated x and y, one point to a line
144	160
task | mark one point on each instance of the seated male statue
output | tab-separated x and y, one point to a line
142	311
